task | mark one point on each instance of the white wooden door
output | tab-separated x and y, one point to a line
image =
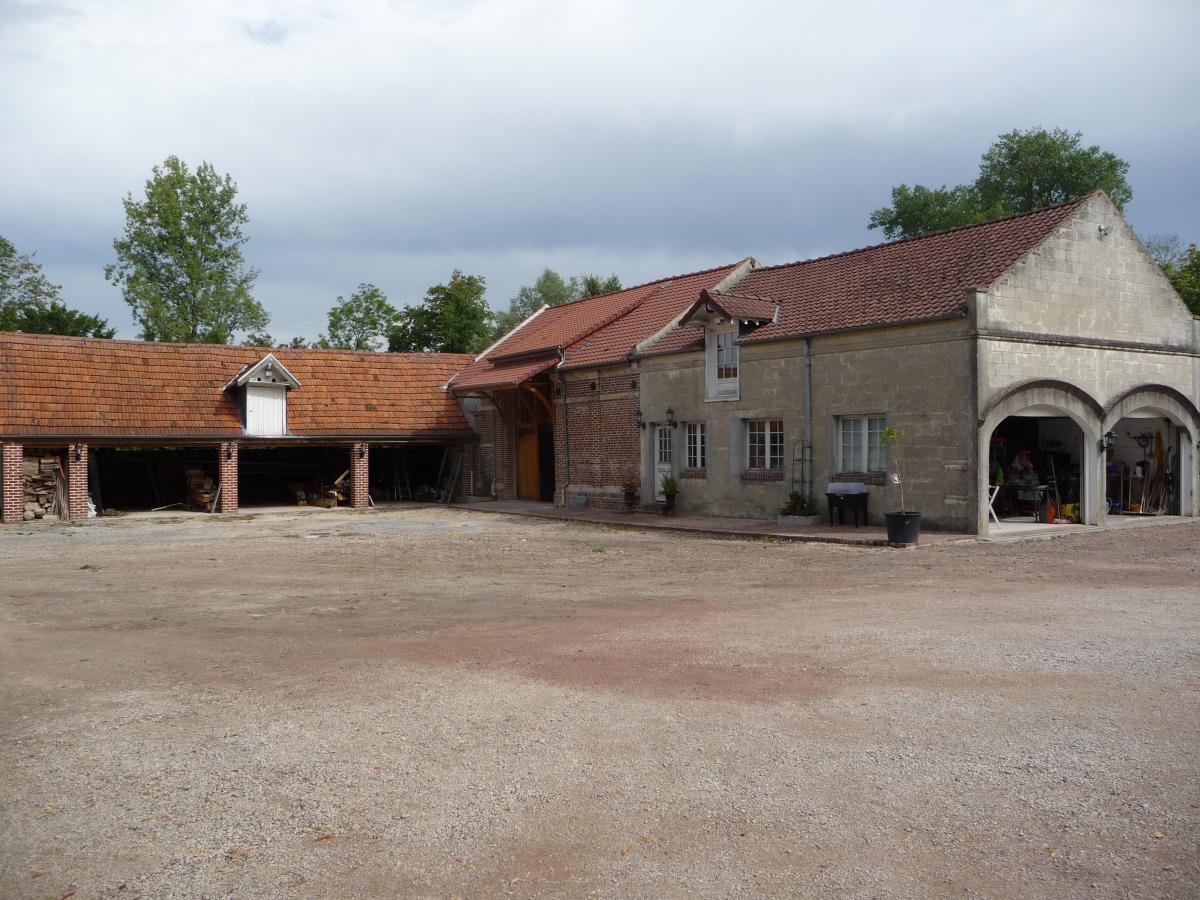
662	459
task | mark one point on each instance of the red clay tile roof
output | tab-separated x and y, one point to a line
590	332
504	374
733	306
904	281
86	387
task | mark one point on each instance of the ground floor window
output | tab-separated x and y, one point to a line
764	444
697	450
861	443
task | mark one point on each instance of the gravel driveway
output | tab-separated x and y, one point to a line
427	702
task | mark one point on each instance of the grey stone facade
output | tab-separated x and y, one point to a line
1085	326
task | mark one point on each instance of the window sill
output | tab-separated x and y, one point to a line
860	477
694	473
762	475
722	399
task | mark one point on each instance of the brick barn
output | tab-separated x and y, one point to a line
130	423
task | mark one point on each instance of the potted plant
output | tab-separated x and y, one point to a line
670	488
903	525
799	511
630	490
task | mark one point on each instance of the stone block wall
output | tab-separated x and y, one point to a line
918	377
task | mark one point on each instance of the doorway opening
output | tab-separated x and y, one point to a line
535	458
1035	468
1144	465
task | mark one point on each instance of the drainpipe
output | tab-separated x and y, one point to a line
566	427
808	410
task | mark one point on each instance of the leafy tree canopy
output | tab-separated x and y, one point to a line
1180	264
30	302
1021	171
363	322
179	263
551	289
453	318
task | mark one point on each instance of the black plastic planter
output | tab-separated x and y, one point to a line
903	527
668	503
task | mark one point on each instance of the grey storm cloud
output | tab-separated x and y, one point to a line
395	141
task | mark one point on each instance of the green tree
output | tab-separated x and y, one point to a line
550	289
453	318
179	263
594	285
30	302
1021	171
363	322
1181	266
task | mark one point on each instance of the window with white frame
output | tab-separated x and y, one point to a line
861	444
697	451
721	362
664	444
764	444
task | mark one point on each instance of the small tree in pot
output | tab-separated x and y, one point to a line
670	488
903	525
630	490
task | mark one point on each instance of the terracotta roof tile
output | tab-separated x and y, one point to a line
903	281
592	331
86	387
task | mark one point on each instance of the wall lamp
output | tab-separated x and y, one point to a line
671	418
362	449
1108	442
229	450
78	452
641	422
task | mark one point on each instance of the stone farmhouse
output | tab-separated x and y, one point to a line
1042	348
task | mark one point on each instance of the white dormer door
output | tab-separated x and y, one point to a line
721	362
266	409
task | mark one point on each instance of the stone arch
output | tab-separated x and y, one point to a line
1072	402
1174	403
1179	408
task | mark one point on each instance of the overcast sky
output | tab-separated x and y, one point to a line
392	142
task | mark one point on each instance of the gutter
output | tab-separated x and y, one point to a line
566	426
808	411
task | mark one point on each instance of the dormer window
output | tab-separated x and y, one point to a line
264	387
721	361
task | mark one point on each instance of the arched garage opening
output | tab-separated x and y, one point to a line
1039	458
1150	467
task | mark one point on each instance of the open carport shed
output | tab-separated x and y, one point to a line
141	425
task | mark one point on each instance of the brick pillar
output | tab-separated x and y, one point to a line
77	481
227	454
12	475
360	469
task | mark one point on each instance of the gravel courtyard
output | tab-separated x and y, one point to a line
427	702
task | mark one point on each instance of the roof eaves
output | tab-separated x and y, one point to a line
959	313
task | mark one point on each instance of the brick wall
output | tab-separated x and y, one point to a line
605	442
77	481
227	454
12	475
360	467
496	454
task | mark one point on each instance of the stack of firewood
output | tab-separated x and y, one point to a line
201	491
45	488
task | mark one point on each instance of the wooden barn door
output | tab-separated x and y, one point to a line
528	472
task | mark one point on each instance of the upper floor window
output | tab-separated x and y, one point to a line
697	452
721	363
764	444
861	443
